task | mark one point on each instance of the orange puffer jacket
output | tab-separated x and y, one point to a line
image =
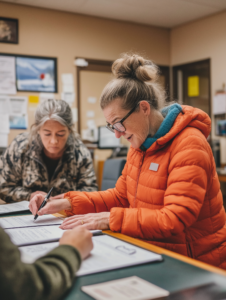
179	206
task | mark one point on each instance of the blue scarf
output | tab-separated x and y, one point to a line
170	114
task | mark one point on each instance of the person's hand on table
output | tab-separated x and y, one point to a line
52	206
89	221
80	238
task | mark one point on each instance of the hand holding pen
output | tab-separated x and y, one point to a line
44	202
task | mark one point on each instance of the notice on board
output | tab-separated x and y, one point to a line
193	86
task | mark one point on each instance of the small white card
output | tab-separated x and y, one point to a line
130	288
154	167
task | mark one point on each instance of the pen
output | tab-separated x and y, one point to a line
44	202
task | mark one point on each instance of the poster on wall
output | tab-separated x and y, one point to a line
36	74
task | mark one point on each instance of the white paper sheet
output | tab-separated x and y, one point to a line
4	123
4	140
28	221
30	253
4	104
92	99
45	96
108	254
68	97
67	78
74	114
34	235
7	75
219	104
130	288
18	105
14	207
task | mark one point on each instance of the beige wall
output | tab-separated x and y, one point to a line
205	38
66	36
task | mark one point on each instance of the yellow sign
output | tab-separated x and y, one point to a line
193	86
33	99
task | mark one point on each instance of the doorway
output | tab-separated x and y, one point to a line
191	84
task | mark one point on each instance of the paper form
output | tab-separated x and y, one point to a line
7	75
14	207
30	253
130	288
4	123
108	254
34	235
28	221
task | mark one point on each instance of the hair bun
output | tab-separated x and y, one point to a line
135	67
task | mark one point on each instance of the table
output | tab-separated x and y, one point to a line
174	273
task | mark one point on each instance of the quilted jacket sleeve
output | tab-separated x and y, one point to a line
11	162
190	164
83	202
48	278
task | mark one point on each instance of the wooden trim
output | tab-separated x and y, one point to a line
160	250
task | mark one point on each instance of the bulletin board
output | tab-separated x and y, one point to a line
21	78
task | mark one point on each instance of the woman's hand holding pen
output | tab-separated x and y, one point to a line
52	206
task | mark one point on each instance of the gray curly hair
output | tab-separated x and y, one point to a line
51	109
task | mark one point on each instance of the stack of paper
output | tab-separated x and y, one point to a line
14	207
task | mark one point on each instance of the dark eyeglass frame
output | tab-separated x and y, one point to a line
112	128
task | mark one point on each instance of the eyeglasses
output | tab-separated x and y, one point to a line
118	125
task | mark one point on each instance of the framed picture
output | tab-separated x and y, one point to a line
9	31
36	74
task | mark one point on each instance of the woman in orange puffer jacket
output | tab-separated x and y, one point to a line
169	192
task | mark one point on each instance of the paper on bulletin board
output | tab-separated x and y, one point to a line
193	86
17	105
7	75
33	99
68	97
45	96
92	99
219	104
4	140
90	114
4	123
67	79
74	114
4	104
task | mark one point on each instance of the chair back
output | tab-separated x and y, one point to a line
112	171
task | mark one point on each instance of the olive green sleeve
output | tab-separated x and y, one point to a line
47	279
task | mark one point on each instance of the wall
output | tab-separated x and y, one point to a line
66	36
205	38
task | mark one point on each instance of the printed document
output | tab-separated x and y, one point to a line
130	288
108	254
28	221
14	207
34	235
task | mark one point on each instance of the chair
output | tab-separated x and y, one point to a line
112	171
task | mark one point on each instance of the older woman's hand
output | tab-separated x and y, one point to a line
89	221
52	206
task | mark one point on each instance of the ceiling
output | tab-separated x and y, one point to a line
163	13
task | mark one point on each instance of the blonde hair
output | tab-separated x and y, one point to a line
135	80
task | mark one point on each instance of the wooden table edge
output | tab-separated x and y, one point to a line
160	250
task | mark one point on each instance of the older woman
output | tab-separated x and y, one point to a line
49	156
169	192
